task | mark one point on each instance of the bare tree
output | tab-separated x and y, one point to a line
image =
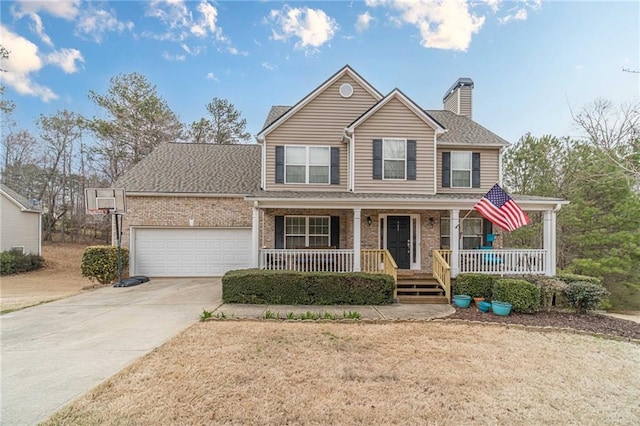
616	131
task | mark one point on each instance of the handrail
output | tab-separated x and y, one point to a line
380	261
442	270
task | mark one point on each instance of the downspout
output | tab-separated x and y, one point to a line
263	173
348	134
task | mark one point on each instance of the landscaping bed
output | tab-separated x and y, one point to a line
593	323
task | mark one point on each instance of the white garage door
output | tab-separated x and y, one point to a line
190	252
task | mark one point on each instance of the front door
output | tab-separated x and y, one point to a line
398	240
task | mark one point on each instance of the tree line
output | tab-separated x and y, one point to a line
70	151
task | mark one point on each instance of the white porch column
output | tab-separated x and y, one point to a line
356	240
454	238
255	237
549	241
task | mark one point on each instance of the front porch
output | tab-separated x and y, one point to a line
422	243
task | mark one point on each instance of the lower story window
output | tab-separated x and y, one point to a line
306	231
471	233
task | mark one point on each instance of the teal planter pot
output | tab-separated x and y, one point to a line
462	300
484	306
501	308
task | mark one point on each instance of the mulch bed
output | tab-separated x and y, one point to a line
593	323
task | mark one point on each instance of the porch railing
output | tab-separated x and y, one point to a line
442	270
504	261
307	260
379	262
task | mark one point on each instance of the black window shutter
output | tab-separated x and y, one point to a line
377	158
279	232
411	160
335	232
279	164
487	228
335	166
475	170
446	169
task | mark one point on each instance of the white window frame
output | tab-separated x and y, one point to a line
469	155
464	236
384	141
306	229
307	165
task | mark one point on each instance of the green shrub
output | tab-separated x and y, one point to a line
572	278
12	262
306	288
585	296
523	295
474	285
552	292
100	263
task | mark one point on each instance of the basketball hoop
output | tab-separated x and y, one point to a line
99	211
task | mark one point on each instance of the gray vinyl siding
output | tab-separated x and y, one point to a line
488	170
451	104
19	228
321	122
394	120
466	107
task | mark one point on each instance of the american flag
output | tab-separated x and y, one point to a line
501	210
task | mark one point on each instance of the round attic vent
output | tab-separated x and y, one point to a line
346	90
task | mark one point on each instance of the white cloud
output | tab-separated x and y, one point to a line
169	57
363	22
66	59
313	27
269	66
194	51
519	15
494	5
174	13
207	22
23	60
211	76
94	23
66	9
38	28
442	24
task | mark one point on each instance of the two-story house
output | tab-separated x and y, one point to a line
347	179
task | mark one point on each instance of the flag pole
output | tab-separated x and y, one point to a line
465	216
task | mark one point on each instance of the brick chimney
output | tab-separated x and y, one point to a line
458	98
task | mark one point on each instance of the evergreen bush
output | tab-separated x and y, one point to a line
100	263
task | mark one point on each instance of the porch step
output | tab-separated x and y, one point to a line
419	288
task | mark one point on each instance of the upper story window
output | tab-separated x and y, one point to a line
461	169
307	164
394	158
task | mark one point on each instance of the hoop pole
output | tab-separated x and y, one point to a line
118	218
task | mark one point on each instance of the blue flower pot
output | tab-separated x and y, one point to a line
484	306
462	300
501	308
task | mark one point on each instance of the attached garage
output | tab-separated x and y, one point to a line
189	252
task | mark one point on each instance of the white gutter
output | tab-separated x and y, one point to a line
351	160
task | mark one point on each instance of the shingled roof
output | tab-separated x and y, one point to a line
464	131
24	204
197	168
460	129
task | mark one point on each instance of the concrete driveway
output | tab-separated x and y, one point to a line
55	352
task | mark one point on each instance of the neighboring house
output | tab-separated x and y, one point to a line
21	223
344	180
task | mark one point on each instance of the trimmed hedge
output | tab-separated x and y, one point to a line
585	296
523	295
474	285
306	288
12	262
572	278
100	263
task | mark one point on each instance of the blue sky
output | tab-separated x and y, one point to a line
531	61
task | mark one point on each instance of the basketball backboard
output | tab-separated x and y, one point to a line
105	200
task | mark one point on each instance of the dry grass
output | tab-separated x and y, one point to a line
244	372
61	277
